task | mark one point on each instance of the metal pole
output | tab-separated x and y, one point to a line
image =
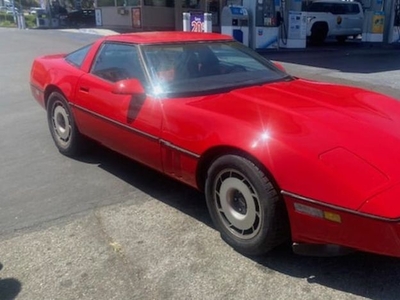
207	22
186	21
50	16
389	21
13	8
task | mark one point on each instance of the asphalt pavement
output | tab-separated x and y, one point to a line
104	227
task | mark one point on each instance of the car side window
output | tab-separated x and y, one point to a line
353	9
116	61
320	7
76	58
339	9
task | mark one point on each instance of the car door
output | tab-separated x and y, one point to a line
129	124
354	17
338	10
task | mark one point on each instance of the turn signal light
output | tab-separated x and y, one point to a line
317	213
332	217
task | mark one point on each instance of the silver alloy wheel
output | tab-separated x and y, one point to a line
61	124
237	203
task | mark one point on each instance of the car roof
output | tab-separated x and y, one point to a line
159	37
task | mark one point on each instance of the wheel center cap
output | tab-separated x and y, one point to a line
239	203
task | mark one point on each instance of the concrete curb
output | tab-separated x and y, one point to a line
95	31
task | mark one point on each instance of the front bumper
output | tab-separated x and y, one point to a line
346	228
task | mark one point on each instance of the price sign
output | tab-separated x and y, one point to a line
197	22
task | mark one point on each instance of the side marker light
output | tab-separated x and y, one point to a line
317	213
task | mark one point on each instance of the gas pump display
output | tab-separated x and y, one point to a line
265	13
264	28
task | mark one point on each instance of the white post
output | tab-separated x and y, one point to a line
22	24
186	21
207	22
14	13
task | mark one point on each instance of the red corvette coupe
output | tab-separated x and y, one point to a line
277	157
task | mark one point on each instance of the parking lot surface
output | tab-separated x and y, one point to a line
104	227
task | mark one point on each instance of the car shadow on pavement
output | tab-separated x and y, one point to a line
362	274
165	189
9	287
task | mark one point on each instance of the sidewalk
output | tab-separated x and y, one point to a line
95	31
375	67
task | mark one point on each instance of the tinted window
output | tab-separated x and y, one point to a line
76	58
204	67
116	62
321	7
340	9
353	9
334	8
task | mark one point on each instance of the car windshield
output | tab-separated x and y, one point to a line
206	67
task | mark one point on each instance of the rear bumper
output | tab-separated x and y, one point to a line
351	229
38	94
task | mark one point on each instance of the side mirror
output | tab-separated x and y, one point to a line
279	66
128	87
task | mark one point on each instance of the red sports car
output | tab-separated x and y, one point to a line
277	157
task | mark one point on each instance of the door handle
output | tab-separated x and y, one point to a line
84	89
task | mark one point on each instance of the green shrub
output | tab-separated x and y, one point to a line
30	21
6	20
7	24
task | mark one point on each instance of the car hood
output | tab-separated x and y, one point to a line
330	137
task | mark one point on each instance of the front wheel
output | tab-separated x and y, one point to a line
64	132
244	206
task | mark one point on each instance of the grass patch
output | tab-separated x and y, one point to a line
8	21
7	24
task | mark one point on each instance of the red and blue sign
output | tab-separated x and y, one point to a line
197	22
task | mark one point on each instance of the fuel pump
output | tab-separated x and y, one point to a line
374	21
293	29
235	22
264	23
396	22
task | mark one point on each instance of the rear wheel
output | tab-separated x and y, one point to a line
319	32
64	132
244	206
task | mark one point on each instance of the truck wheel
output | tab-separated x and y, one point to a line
245	206
319	32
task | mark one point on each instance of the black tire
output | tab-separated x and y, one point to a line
64	132
244	205
319	32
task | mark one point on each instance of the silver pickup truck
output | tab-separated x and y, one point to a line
337	18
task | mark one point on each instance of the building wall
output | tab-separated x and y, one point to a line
111	18
160	17
153	18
